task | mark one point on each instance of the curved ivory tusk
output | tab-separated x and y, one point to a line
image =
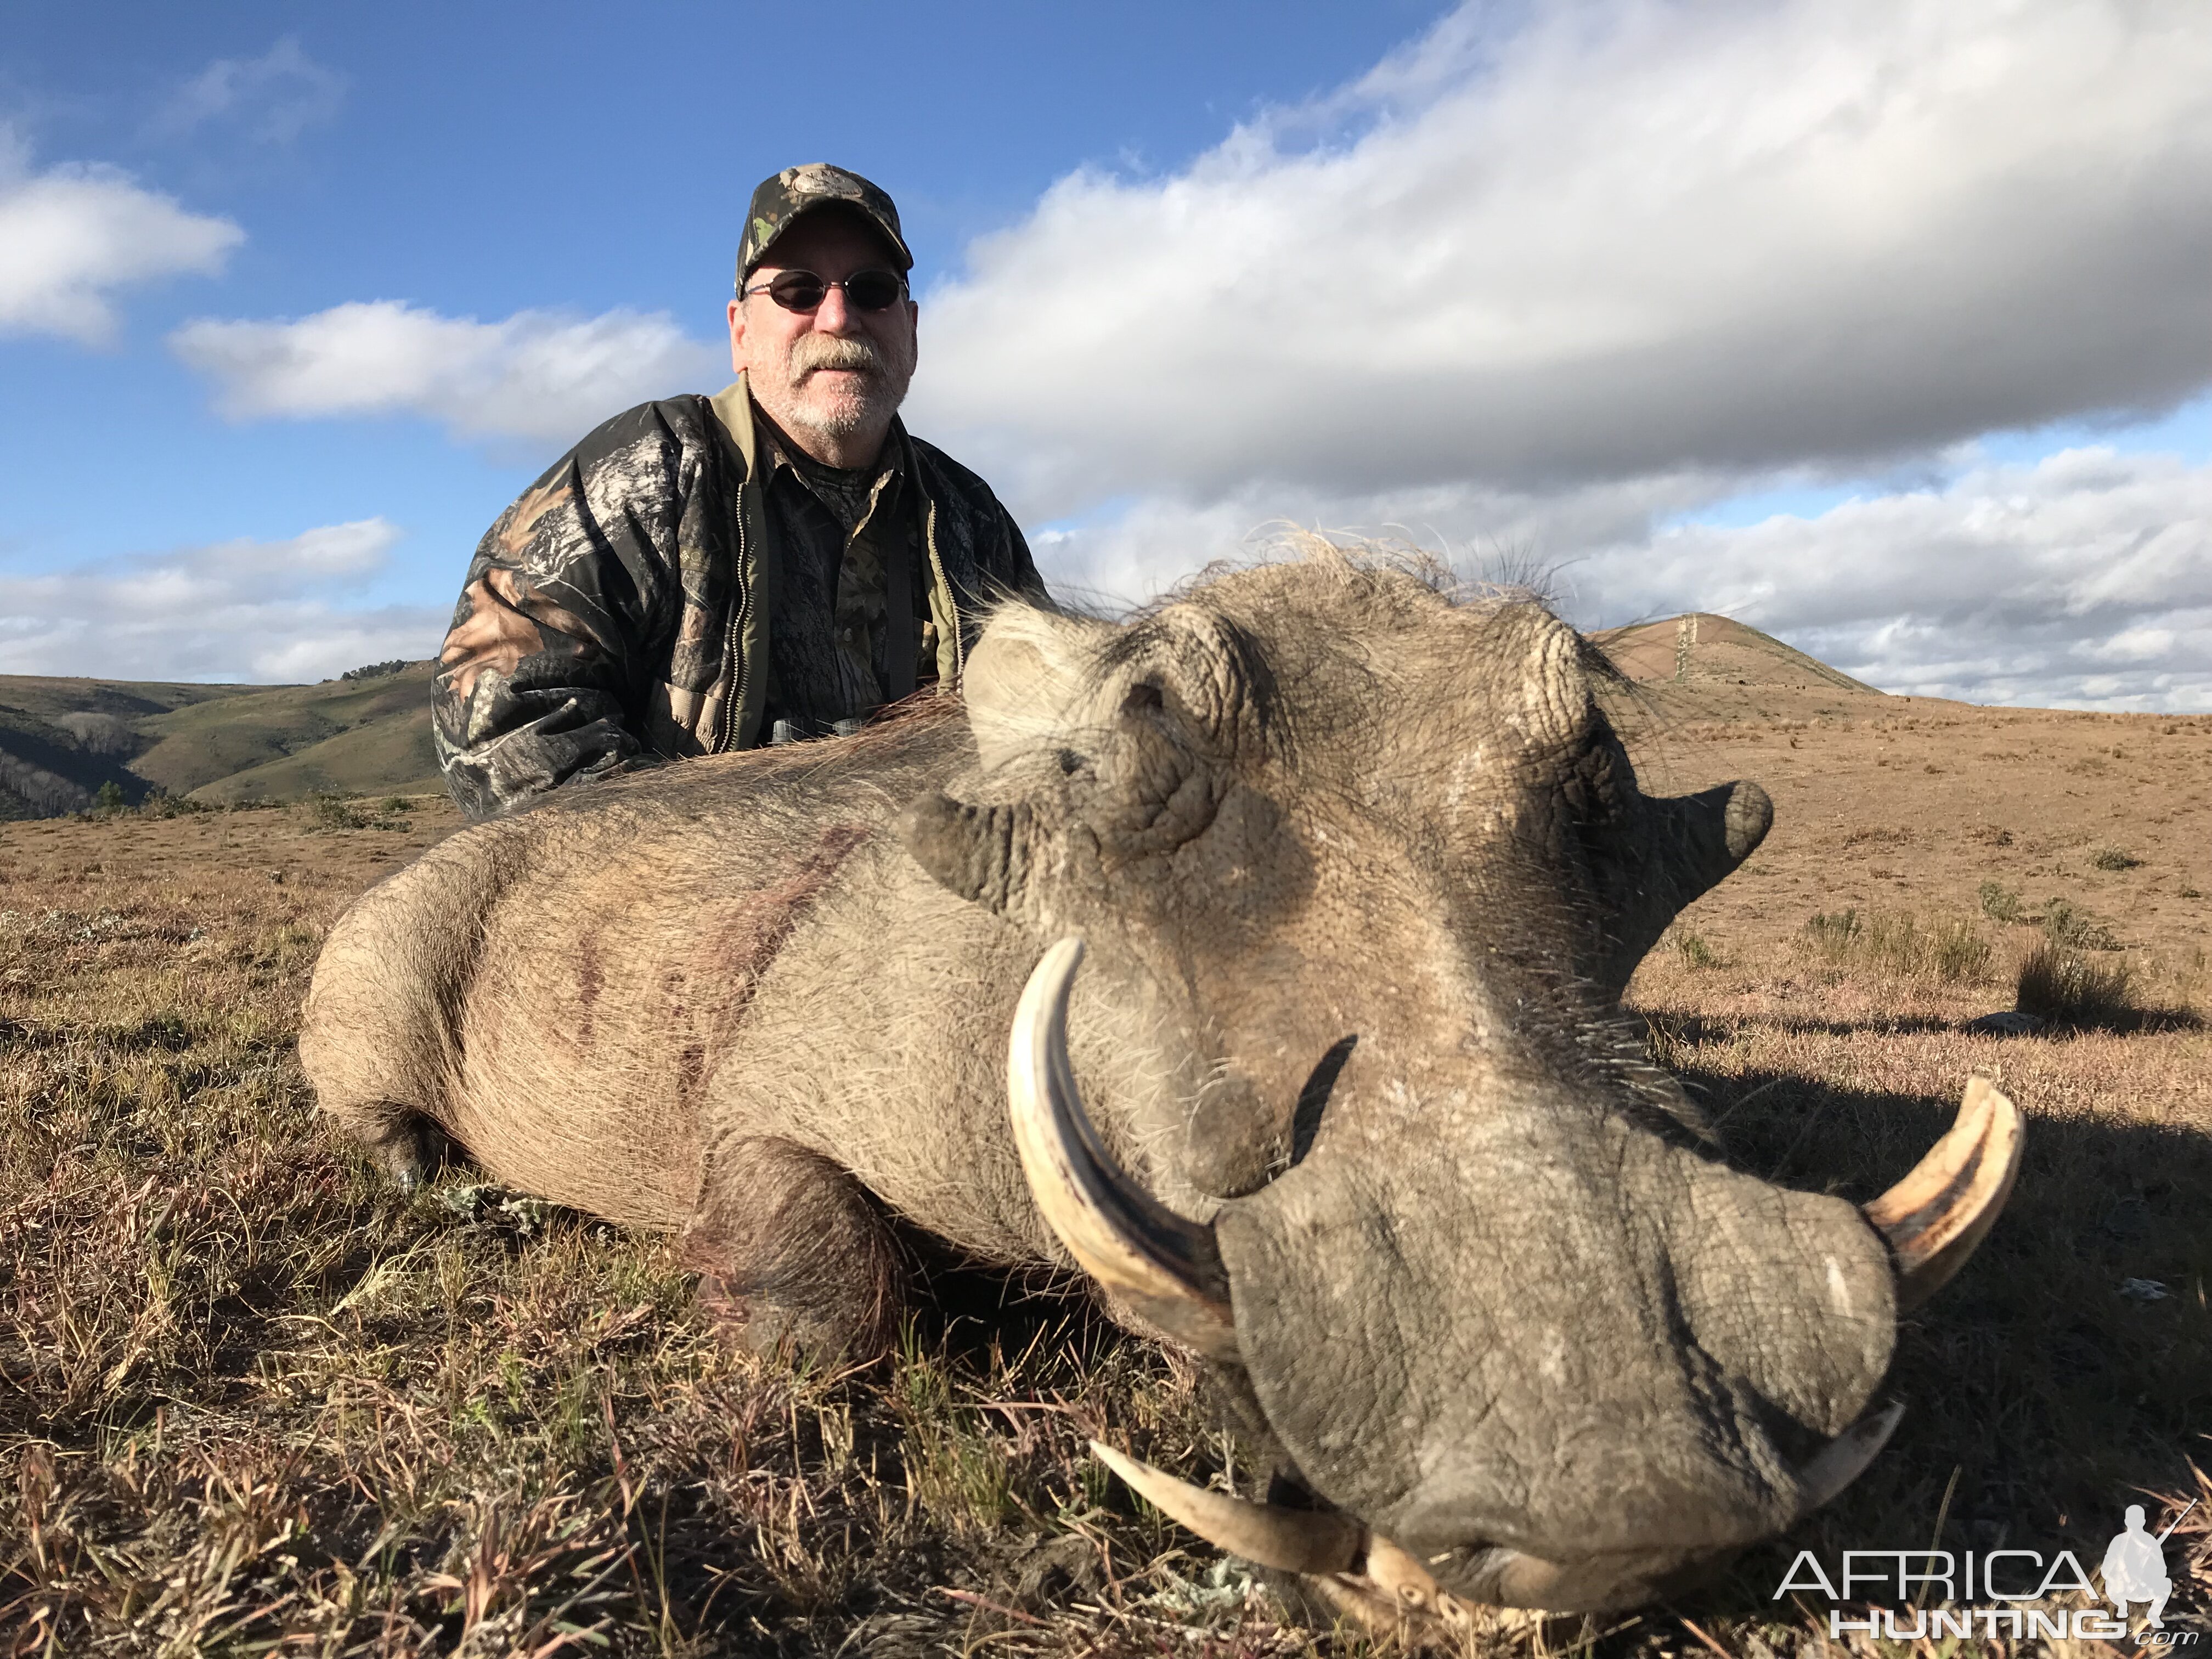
1361	1572
1936	1215
1845	1459
1291	1541
1164	1267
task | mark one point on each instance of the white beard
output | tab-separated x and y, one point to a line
800	404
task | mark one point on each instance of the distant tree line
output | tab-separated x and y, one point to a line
375	671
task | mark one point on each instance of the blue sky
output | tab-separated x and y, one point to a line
478	160
1880	323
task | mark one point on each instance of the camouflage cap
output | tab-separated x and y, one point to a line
800	190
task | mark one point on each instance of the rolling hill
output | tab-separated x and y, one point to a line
1701	666
61	739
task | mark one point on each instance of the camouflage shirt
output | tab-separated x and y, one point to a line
830	656
620	612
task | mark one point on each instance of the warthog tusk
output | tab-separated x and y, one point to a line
1845	1459
1290	1541
1371	1574
1166	1268
1376	1575
1936	1215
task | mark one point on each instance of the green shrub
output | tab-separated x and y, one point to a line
2068	927
109	797
1695	952
2066	989
326	810
1953	949
1833	936
1947	948
375	671
2111	858
2072	991
161	804
1999	903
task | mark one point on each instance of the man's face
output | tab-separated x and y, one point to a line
833	377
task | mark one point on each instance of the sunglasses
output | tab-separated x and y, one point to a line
803	291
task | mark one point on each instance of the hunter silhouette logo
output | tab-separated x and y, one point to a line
2135	1567
1997	1592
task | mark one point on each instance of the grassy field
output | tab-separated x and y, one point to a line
254	1401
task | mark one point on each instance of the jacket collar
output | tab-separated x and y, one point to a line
733	408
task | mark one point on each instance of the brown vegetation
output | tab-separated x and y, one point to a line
249	1396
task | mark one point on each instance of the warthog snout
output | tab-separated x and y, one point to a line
1579	1454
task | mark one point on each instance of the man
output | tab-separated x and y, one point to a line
770	564
2135	1570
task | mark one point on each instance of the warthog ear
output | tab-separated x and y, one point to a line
1555	696
1688	844
1023	688
1704	836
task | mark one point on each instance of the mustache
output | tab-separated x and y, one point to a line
813	351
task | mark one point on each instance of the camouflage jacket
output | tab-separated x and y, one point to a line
617	613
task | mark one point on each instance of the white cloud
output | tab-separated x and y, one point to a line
271	98
71	235
2084	580
1531	292
1529	295
272	611
1624	240
1137	548
539	375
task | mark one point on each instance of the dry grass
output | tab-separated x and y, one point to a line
1943	948
249	1397
251	1401
2076	992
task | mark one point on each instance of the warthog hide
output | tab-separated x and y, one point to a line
1341	1096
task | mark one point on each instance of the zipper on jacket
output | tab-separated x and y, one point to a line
951	599
737	669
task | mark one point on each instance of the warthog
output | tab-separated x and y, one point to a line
1342	1097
